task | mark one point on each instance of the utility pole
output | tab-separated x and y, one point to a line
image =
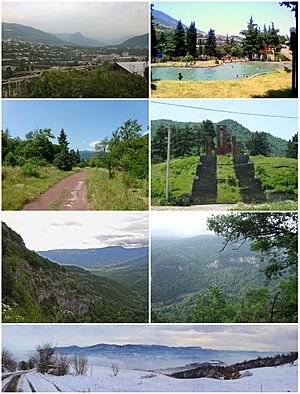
168	163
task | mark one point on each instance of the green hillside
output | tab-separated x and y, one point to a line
35	289
278	146
279	174
133	274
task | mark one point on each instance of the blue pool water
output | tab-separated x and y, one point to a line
227	71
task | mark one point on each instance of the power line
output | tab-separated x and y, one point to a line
224	111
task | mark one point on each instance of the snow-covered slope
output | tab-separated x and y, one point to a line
102	379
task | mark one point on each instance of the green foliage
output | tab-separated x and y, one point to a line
38	290
29	169
179	40
191	41
258	144
106	81
292	147
63	161
210	47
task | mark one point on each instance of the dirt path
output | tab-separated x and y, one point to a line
12	385
210	207
69	194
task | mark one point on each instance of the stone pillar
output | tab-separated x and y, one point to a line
209	145
218	150
233	145
225	145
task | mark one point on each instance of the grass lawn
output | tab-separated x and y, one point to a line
276	173
117	193
18	190
275	84
268	206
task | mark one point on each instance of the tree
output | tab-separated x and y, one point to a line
182	141
191	40
153	39
292	147
102	147
210	47
274	235
39	145
162	42
63	159
250	43
159	144
80	364
44	357
130	130
258	144
8	361
179	40
62	364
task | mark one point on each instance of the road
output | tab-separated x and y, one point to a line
69	194
12	385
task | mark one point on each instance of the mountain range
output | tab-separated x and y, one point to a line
278	146
186	266
166	22
158	356
30	34
36	289
96	257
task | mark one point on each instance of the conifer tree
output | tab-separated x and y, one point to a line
191	40
179	40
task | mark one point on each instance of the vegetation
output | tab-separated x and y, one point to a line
105	81
19	189
250	275
278	174
275	84
37	290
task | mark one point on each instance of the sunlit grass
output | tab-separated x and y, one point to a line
18	190
269	206
117	193
275	84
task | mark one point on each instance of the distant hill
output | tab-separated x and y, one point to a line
79	39
133	274
166	22
278	145
141	41
94	258
39	290
182	267
27	33
87	154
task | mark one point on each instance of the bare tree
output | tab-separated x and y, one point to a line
44	357
80	364
62	364
115	369
8	361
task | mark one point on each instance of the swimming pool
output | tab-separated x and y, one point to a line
227	71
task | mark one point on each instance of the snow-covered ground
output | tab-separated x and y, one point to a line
272	379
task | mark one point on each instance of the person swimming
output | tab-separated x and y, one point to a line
180	76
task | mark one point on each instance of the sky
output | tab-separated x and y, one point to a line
85	121
281	338
279	127
80	230
101	20
229	17
179	224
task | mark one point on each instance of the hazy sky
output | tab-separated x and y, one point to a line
179	224
284	128
229	17
281	338
103	20
80	230
84	121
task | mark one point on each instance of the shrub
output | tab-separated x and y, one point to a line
80	364
29	169
188	58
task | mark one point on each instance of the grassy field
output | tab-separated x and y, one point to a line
277	173
270	206
275	84
117	193
18	190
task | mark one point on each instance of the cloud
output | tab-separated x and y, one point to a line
69	223
125	240
93	144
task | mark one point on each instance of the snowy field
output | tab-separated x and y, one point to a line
273	379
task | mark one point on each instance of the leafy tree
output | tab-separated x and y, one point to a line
191	40
179	40
258	144
292	147
272	234
182	141
129	131
159	144
39	145
210	47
